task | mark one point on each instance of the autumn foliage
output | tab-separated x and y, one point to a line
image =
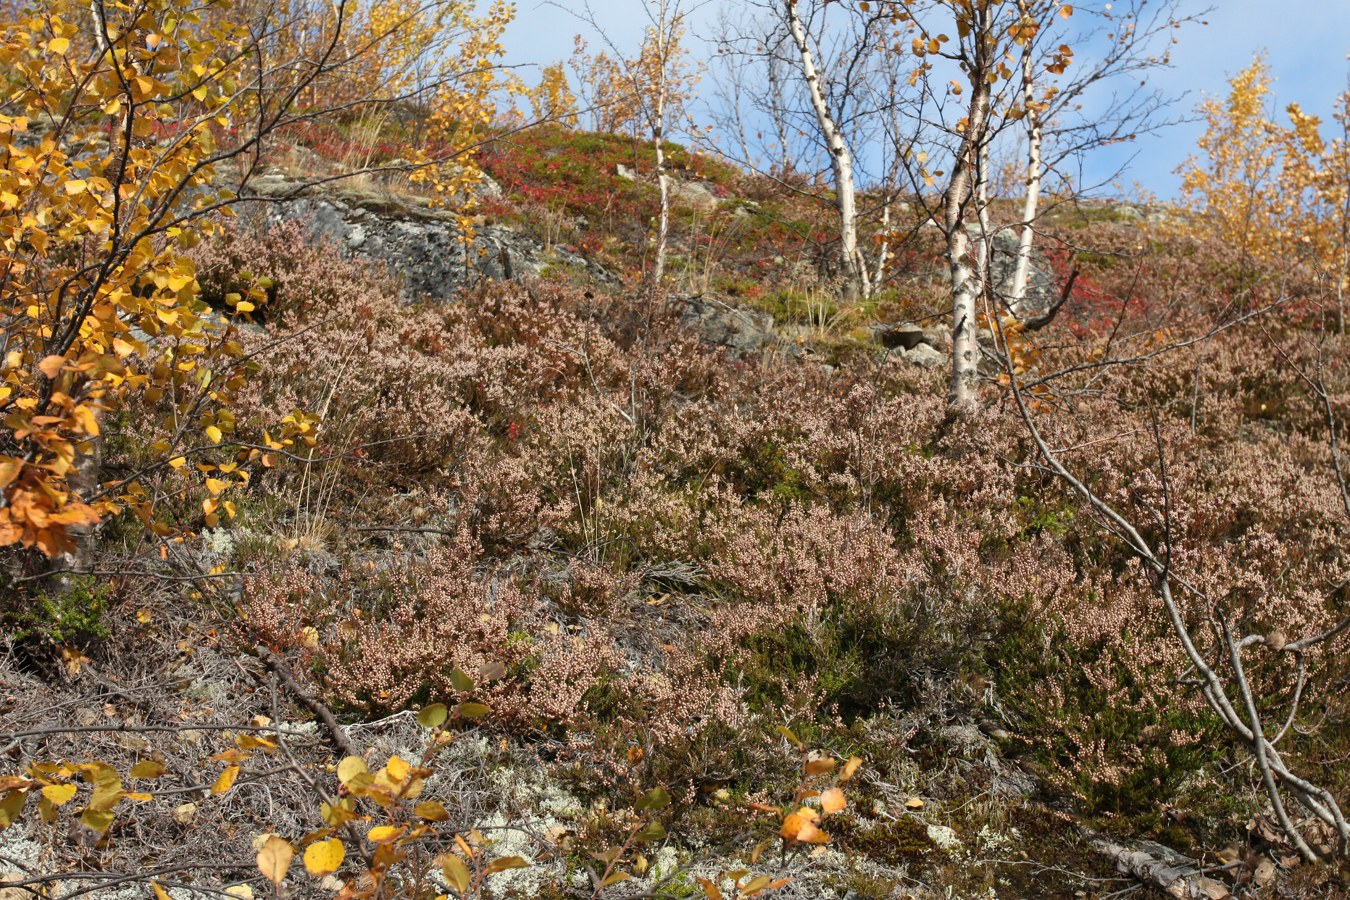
567	589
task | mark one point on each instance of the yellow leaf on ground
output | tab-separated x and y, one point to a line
274	858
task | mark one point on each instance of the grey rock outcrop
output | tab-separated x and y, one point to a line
739	329
1041	292
1041	286
423	247
694	193
920	346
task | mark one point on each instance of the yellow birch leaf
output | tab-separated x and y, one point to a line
350	767
59	794
432	811
456	873
147	768
51	366
226	780
820	766
381	833
324	857
397	769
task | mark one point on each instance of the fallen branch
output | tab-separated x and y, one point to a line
1161	867
316	706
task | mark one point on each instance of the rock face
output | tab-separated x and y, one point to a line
1041	290
695	193
738	329
423	247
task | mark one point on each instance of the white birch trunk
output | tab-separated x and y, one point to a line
1017	295
985	234
664	29
663	182
841	163
965	285
879	273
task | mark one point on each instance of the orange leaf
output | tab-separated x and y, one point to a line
51	366
226	780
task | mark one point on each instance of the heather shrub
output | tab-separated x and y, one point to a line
386	639
649	539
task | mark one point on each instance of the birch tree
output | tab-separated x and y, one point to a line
841	160
826	69
647	92
984	68
128	132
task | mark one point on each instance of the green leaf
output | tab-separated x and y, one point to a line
460	679
433	716
652	831
656	798
787	733
456	873
473	711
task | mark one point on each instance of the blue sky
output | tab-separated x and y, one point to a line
1307	42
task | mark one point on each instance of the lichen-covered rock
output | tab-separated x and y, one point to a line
424	247
907	336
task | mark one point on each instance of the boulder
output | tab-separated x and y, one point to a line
925	356
694	193
907	336
740	330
